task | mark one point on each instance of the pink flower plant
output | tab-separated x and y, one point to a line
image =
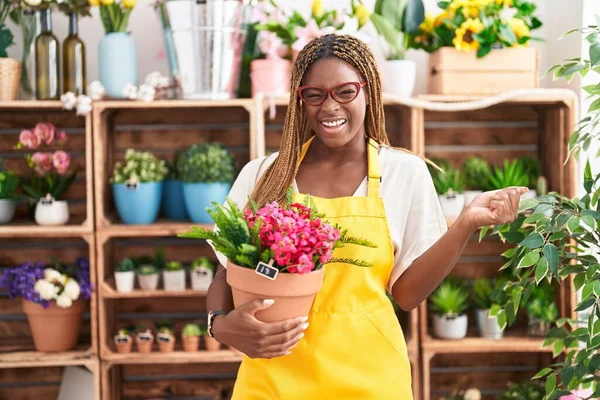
45	132
29	140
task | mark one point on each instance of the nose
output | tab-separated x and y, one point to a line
330	105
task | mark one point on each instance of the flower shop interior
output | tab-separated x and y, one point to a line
121	120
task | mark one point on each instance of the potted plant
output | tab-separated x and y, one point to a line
10	69
144	340
207	170
260	263
396	21
190	336
526	390
54	298
473	43
125	275
148	277
165	339
513	173
449	303
49	180
483	297
201	273
173	204
137	187
449	185
174	277
210	343
9	183
123	341
541	310
476	173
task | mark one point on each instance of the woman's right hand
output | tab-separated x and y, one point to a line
241	330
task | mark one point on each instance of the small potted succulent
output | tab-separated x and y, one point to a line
207	171
476	172
512	173
123	341
210	343
526	390
148	276
9	183
144	340
485	292
174	277
201	273
125	275
165	339
137	187
173	205
541	310
190	336
449	185
449	303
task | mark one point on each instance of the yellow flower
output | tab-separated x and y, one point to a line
317	8
470	8
439	20
464	40
505	3
129	3
94	3
107	2
519	27
362	13
428	25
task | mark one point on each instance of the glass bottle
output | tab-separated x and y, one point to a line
30	28
73	60
46	60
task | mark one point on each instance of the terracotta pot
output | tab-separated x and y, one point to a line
191	343
123	347
166	347
54	329
211	344
143	347
293	293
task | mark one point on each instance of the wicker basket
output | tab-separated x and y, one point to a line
10	74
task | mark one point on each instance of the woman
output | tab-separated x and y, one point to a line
334	146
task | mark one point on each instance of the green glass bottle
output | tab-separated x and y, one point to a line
46	61
73	60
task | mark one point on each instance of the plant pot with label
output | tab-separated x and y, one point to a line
449	302
144	341
125	276
165	340
123	342
201	273
190	336
148	277
49	211
485	294
174	277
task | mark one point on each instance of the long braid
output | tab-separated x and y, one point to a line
275	182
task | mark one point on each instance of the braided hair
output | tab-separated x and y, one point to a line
275	182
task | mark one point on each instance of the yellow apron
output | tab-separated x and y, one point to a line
354	347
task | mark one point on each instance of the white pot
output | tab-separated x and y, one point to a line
124	281
51	212
7	211
488	326
174	281
531	194
398	77
470	195
148	282
201	278
452	204
450	328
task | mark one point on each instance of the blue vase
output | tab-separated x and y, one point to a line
117	55
199	196
138	205
173	204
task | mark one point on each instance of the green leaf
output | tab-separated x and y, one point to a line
573	224
558	347
542	373
595	54
529	259
387	30
484	230
502	320
513	237
558	236
414	15
533	218
550	384
594	106
584	305
551	255
541	270
528	204
578	281
533	241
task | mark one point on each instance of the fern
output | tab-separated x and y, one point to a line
244	260
289	197
253	205
351	261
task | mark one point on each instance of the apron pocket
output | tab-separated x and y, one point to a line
394	340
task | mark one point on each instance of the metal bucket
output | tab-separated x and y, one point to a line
208	39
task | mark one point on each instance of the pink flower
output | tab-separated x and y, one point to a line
45	132
271	46
29	139
61	137
578	395
42	163
61	161
309	32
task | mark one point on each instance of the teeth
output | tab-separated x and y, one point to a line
334	123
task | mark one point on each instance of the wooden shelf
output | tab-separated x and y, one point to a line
29	104
38	359
481	345
544	96
157	229
128	104
34	230
108	292
176	357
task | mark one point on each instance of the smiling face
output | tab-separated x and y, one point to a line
336	124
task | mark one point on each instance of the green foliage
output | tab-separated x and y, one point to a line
476	172
527	390
450	299
9	183
147	269
208	163
174	266
6	40
125	265
396	21
541	304
160	261
533	169
191	330
139	167
173	173
54	184
448	180
513	173
482	293
202	262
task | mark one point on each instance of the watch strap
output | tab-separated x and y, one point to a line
211	317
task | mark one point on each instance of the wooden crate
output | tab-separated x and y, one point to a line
19	115
163	127
452	72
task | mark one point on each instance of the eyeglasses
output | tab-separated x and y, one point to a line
344	93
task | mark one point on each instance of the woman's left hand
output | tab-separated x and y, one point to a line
494	208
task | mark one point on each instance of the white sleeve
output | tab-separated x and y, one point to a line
425	222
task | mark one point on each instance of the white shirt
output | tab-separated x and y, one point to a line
414	215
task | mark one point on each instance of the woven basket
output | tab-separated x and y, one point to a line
10	74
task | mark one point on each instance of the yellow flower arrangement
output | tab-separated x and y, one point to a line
114	13
519	27
464	39
504	3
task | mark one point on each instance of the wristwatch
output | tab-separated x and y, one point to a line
211	318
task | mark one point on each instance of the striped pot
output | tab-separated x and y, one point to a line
117	55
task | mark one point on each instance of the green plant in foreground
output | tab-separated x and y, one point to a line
450	299
191	330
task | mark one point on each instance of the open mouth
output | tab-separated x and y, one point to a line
333	124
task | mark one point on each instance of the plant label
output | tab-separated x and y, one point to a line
132	186
145	338
122	339
266	271
47	201
164	339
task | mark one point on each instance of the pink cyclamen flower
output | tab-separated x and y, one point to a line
29	139
271	46
42	163
45	132
61	161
